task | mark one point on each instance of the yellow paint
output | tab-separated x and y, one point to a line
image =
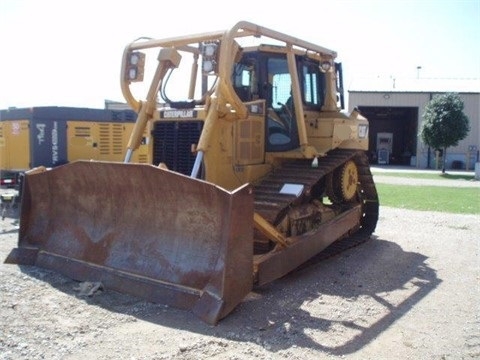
14	145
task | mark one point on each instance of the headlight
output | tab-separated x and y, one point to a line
208	66
135	58
209	57
135	66
209	49
132	74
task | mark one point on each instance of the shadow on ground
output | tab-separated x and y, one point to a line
321	307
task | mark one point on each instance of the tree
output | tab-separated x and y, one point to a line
444	123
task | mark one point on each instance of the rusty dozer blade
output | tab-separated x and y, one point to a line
141	230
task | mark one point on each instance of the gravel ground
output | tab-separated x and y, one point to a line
412	292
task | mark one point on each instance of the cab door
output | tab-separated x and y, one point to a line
281	126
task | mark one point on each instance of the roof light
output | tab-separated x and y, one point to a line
135	66
134	58
325	66
209	49
132	74
208	66
209	57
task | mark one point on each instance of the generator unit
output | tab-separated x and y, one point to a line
52	136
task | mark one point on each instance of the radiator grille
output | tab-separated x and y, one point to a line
173	144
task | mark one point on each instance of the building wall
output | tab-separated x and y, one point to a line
462	153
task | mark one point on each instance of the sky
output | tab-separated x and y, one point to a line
68	53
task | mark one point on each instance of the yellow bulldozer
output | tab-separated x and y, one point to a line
253	170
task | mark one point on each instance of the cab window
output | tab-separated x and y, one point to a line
313	85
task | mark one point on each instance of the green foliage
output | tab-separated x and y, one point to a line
444	122
430	198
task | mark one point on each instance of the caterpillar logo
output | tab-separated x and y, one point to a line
178	114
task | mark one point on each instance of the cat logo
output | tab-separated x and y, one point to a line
178	114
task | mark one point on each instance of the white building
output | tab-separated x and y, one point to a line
395	109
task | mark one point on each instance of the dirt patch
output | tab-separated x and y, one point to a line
410	293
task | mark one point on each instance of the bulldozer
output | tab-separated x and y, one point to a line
254	168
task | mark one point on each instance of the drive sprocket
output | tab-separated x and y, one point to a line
342	183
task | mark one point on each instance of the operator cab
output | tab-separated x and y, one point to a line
265	75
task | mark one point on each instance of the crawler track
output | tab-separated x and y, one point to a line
272	205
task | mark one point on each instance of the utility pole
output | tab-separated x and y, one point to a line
418	71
